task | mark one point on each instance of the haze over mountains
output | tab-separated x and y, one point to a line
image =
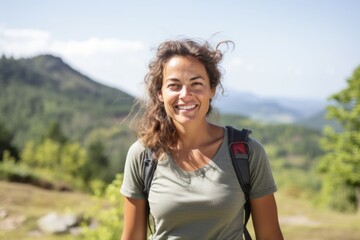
274	110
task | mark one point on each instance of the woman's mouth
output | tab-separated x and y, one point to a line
186	107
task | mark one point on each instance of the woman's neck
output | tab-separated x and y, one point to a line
195	136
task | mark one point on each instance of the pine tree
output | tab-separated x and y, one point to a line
341	163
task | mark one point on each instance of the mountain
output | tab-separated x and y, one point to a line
318	121
37	92
278	110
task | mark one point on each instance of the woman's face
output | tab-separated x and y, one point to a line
185	90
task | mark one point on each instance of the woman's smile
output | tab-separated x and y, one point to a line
186	107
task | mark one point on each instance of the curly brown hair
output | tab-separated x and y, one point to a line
154	128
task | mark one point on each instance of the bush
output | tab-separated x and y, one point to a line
42	177
109	218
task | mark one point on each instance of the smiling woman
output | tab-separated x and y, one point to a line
156	128
195	193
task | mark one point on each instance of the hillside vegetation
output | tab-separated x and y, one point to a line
39	93
44	89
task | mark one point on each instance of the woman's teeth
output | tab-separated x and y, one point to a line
186	107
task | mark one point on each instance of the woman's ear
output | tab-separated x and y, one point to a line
160	96
212	94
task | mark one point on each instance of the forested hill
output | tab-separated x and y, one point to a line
37	92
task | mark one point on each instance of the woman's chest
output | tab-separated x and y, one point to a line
209	191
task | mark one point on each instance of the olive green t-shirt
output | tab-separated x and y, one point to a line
204	204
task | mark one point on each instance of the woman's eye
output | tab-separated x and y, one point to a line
197	84
173	86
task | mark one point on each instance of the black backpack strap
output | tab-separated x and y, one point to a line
240	154
148	173
149	169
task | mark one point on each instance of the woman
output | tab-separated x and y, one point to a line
194	193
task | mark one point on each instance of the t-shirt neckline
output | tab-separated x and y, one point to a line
202	170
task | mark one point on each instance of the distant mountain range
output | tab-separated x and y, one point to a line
273	110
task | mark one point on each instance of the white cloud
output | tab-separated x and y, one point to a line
23	42
97	46
114	62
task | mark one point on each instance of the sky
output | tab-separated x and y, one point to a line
300	49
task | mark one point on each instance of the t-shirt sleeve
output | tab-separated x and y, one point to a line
262	180
133	184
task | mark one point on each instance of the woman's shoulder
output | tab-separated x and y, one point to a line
255	144
252	142
136	148
137	145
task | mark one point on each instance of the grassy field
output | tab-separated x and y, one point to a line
25	204
299	219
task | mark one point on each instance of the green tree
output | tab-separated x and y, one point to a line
56	134
97	164
110	218
68	158
6	145
341	163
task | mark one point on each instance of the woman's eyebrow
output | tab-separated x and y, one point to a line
173	79
196	77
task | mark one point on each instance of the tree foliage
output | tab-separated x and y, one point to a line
43	91
6	143
96	166
65	158
341	163
110	219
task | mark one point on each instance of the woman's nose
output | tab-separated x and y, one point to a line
185	91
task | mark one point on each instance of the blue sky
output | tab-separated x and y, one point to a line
294	49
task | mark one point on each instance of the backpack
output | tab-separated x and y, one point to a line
240	155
